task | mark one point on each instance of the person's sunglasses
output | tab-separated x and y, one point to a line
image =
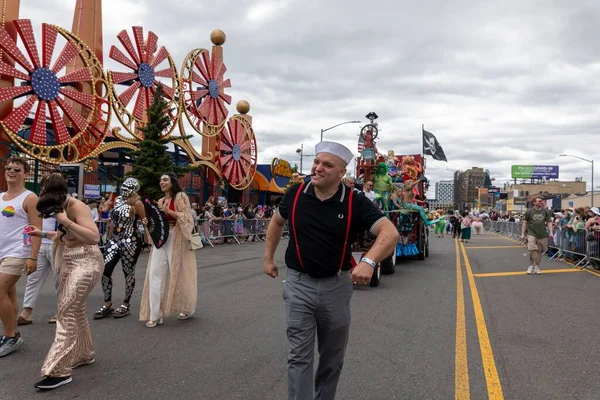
15	169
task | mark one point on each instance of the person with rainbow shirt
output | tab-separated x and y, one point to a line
19	251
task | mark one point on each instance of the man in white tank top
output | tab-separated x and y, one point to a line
18	252
36	280
45	267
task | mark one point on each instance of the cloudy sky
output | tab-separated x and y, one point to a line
498	82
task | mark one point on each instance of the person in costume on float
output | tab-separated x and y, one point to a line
404	199
125	244
411	170
171	278
79	264
382	186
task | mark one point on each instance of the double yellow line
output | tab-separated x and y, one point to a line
461	373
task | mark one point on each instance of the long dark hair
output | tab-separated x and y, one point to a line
53	197
175	186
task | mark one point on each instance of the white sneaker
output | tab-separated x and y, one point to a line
530	270
536	270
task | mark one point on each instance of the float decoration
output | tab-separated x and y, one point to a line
203	85
149	67
238	154
78	119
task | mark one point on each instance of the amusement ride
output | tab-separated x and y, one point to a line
57	99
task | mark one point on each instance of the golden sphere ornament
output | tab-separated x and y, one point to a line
243	107
217	37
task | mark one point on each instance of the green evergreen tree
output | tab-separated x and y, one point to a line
295	168
152	160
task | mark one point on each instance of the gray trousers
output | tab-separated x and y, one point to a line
37	279
318	307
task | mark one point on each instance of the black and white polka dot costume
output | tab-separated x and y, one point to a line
125	245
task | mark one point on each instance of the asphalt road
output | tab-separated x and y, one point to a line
408	339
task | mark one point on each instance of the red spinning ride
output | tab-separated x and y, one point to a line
148	69
238	153
71	113
204	86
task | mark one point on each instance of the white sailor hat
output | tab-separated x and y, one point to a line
336	149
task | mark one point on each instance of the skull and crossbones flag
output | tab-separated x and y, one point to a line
431	147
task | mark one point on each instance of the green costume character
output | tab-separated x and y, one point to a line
383	186
404	200
440	227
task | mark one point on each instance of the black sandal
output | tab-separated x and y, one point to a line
122	311
103	312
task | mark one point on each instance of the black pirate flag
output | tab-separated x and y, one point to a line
431	147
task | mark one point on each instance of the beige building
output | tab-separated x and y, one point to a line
581	201
552	187
520	194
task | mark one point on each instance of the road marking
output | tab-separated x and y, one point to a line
545	271
492	247
461	370
487	355
591	272
506	237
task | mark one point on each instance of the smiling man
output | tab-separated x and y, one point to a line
325	218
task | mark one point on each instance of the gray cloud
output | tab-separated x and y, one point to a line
498	82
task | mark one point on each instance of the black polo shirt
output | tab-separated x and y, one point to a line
321	228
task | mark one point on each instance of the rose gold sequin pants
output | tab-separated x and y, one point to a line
78	274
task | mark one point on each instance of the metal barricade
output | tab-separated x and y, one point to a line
554	244
593	248
573	246
218	231
103	229
580	248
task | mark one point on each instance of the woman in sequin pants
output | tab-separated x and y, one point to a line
79	264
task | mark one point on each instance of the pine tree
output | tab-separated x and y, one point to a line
152	160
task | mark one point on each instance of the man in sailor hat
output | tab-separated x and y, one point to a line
325	218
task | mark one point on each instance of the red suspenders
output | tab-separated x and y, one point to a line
350	196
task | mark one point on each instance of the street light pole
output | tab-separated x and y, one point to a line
302	155
335	126
591	162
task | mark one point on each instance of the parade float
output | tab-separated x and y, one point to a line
400	185
57	99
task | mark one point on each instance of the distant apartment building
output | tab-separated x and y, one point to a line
466	187
444	192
